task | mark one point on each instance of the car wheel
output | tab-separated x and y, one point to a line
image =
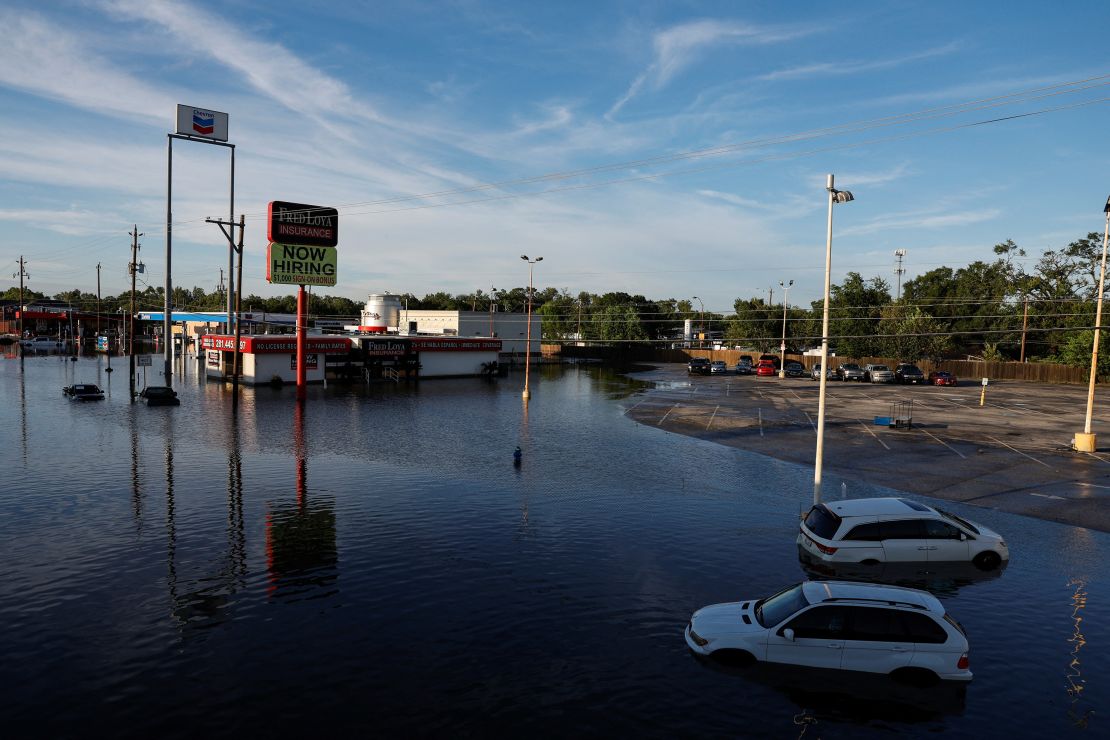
733	657
915	677
987	560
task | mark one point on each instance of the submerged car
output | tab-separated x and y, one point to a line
697	366
886	530
84	392
941	377
159	395
842	625
877	374
907	373
718	367
850	371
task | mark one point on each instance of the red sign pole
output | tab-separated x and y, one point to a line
302	342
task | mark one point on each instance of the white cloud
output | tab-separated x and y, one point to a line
841	68
676	48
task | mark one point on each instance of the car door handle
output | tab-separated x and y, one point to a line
834	645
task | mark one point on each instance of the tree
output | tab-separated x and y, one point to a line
855	309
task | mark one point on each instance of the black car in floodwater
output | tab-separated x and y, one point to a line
84	392
160	395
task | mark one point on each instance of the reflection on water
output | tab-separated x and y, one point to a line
941	579
478	597
1076	684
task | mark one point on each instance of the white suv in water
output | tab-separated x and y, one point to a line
866	627
893	530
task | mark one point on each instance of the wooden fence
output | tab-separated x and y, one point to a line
1039	372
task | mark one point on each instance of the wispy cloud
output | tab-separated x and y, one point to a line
269	68
676	48
46	59
828	69
924	220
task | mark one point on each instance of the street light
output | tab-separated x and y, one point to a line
1085	441
701	319
782	347
528	345
835	196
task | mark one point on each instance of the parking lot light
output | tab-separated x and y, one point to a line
835	196
1086	441
785	302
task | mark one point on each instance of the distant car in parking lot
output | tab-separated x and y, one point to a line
718	367
941	377
795	370
744	366
815	373
850	371
698	366
877	374
908	374
765	368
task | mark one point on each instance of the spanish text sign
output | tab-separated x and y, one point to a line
291	264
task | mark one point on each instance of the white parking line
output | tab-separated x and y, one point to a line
760	420
1045	495
938	439
660	422
1097	457
1019	451
713	416
1091	485
811	423
872	433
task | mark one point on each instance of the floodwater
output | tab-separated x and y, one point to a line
373	562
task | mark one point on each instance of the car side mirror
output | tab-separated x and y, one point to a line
788	634
963	537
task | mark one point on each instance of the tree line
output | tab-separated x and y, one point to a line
994	309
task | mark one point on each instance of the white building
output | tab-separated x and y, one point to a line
510	328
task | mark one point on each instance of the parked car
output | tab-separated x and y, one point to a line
773	359
795	370
765	368
877	374
850	371
697	366
941	377
908	374
160	395
718	367
84	392
869	627
744	366
815	373
746	358
882	530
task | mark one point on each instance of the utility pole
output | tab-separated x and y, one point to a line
492	306
899	253
220	287
1024	326
133	267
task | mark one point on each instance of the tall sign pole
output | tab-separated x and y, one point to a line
206	127
131	330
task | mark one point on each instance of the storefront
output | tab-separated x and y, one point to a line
270	358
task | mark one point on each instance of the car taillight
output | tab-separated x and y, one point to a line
823	548
963	662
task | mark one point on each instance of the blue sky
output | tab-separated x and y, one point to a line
575	117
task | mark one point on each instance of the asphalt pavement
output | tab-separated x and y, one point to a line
1010	449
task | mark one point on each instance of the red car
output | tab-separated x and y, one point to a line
941	377
765	368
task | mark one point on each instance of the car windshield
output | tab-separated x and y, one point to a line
879	367
774	609
958	520
911	369
850	366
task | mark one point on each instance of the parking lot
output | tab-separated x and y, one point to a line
1012	453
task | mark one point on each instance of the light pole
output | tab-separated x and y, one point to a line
782	347
701	319
835	196
528	343
1085	441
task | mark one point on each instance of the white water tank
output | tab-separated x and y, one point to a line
382	312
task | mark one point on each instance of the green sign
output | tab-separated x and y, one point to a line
290	264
